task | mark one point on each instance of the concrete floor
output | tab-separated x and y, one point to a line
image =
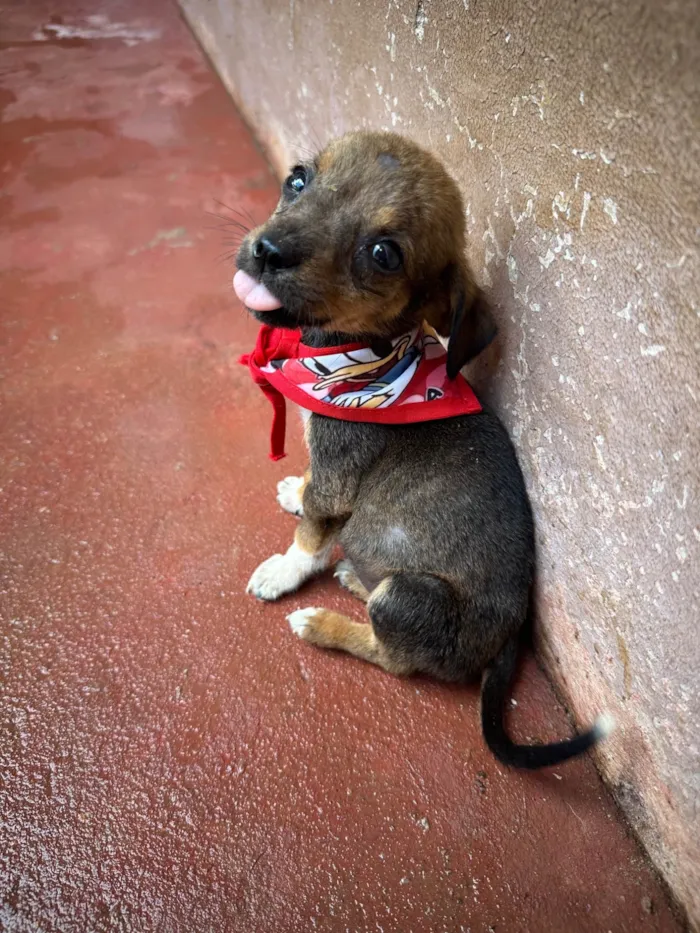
172	758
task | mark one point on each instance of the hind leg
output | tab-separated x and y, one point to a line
416	626
327	629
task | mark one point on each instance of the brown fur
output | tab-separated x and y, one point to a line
368	186
433	517
315	533
362	188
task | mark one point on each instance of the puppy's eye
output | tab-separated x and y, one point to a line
297	180
386	255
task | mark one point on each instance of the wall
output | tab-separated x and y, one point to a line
573	130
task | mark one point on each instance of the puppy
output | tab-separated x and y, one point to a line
367	243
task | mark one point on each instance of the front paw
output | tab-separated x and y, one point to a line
289	494
270	580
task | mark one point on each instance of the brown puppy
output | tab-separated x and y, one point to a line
366	242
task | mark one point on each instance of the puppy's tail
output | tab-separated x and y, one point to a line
494	692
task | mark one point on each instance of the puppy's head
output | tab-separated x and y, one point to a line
367	240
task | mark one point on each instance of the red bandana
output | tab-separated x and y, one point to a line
353	383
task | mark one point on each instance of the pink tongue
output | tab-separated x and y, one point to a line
253	294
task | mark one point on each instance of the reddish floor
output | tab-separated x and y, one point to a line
172	758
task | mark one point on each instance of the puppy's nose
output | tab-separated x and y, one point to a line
273	255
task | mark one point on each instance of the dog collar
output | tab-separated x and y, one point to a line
353	383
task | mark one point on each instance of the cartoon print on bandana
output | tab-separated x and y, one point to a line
383	379
431	387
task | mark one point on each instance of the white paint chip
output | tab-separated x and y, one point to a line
598	445
420	22
512	269
584	209
561	205
610	208
624	313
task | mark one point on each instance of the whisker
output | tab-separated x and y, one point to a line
233	210
304	149
224	226
228	222
248	215
232	238
317	141
226	257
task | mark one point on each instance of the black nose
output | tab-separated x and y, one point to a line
274	255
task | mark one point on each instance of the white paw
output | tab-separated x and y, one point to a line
289	492
284	573
300	619
268	581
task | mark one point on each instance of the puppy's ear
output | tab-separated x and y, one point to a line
463	317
